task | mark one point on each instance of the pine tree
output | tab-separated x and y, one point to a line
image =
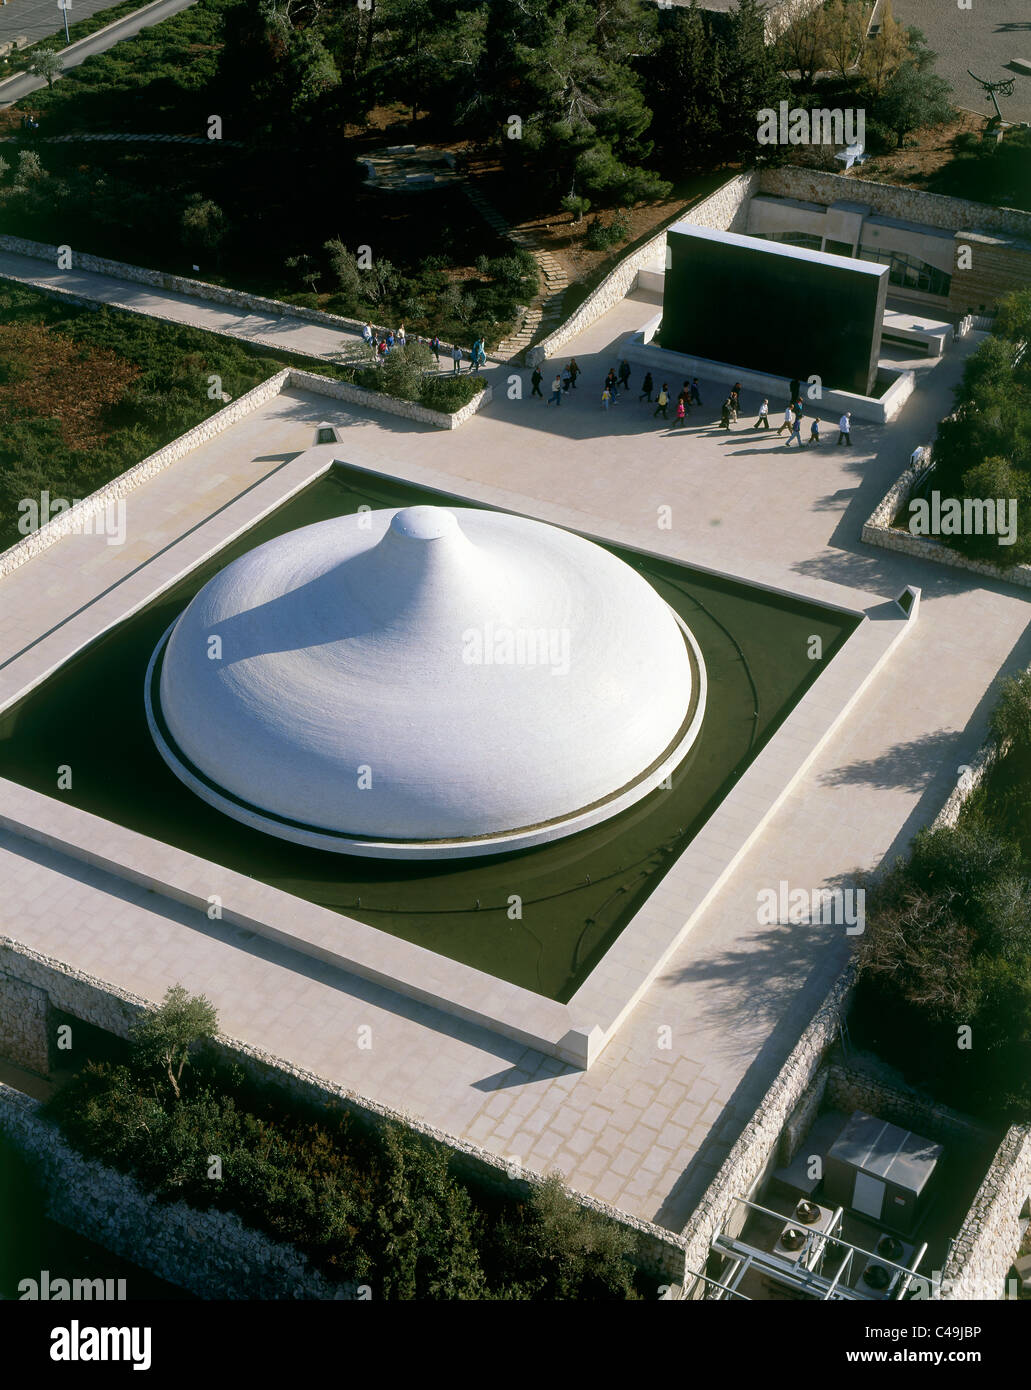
752	81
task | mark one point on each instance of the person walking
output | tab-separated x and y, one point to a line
695	396
814	432
606	398
483	355
535	381
733	398
796	433
662	402
567	381
685	396
456	358
647	387
435	345
574	372
845	428
401	338
681	412
725	415
788	420
798	407
612	384
367	333
624	374
556	390
474	356
763	422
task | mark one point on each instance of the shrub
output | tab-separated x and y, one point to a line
1011	717
379	1205
600	238
948	945
450	393
401	372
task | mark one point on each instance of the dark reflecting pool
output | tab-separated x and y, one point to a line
575	895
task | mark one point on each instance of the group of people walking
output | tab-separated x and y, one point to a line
383	340
617	381
562	382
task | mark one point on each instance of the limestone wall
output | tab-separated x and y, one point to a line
24	1024
376	400
179	284
210	1253
878	530
75	519
888	200
726	209
801	1119
659	1252
865	1083
990	1237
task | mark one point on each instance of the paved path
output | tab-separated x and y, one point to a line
291	334
646	1126
24	85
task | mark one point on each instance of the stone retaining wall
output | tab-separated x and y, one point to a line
210	1253
724	210
990	1237
24	1024
868	1084
889	200
76	518
659	1252
878	530
376	400
180	284
800	1121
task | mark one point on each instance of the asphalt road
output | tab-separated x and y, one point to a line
17	87
38	18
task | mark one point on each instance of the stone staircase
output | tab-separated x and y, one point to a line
545	311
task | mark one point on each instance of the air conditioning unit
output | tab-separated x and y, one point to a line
881	1171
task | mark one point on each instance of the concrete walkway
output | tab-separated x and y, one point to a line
647	1125
291	334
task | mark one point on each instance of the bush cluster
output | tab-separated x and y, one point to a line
378	1206
984	449
947	945
171	369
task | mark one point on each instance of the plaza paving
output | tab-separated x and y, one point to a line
647	1125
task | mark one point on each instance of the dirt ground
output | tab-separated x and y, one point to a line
933	149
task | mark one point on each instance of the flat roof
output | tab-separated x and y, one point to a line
777	248
887	1151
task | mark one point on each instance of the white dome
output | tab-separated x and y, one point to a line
421	683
